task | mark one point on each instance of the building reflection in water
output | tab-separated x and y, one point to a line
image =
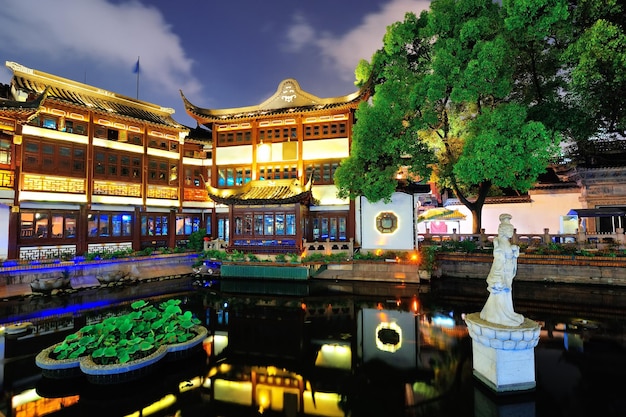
323	352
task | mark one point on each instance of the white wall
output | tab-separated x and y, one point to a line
402	239
544	211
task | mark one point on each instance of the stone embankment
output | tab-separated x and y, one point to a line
96	273
371	271
586	270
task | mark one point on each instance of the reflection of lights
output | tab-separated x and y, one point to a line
415	305
334	356
190	384
31	398
392	335
443	321
263	400
162	404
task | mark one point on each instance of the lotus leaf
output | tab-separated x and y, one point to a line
78	352
86	340
125	326
124	357
138	304
110	351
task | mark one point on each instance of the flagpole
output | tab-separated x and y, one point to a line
137	68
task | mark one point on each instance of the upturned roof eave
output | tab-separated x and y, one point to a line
90	97
312	103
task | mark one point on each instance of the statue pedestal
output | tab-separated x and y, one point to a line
503	357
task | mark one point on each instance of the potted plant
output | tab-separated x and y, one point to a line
127	346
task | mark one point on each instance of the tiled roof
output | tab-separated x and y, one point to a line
21	109
262	192
288	99
83	95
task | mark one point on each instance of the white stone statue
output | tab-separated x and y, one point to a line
499	306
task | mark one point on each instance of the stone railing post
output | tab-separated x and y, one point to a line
483	238
581	238
620	238
455	236
546	236
515	238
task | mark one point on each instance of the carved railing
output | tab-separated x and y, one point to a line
328	247
583	240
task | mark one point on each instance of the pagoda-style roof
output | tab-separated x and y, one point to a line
261	192
289	98
22	110
74	93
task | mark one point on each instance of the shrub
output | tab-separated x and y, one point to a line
196	240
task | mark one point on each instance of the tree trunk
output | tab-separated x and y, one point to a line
476	206
477	218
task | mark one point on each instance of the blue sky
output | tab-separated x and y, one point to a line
221	54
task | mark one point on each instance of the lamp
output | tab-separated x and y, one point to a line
264	152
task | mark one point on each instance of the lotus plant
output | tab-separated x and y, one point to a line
125	338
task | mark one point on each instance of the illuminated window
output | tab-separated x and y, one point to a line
5	151
47	225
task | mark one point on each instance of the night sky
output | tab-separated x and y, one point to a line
221	54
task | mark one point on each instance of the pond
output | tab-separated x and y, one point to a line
330	349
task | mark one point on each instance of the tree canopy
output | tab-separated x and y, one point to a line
477	95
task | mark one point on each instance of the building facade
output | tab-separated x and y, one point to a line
273	168
87	170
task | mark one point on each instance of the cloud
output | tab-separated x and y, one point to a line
299	35
343	52
112	35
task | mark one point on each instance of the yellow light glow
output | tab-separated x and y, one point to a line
264	153
263	399
188	385
388	347
163	403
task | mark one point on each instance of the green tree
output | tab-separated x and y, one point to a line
596	61
443	101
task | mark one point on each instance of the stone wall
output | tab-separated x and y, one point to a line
86	273
371	271
538	268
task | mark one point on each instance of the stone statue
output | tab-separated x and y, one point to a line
499	306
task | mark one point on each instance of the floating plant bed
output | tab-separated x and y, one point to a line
127	347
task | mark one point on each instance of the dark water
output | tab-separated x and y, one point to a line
330	349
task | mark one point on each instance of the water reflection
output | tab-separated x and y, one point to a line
335	349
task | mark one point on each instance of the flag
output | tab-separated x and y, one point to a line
136	68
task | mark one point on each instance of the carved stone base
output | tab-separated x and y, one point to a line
503	357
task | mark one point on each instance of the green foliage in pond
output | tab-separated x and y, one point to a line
131	336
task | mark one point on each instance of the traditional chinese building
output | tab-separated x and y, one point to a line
273	168
86	170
